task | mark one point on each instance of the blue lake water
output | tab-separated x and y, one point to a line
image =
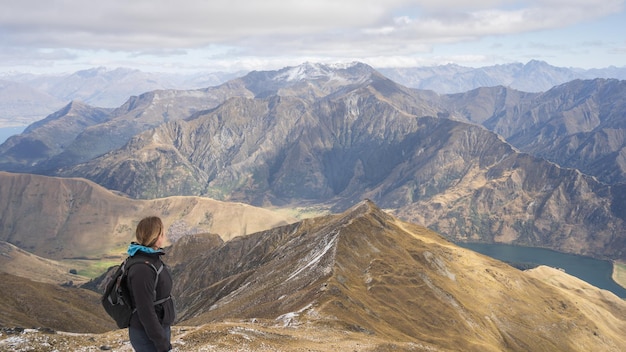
594	271
6	132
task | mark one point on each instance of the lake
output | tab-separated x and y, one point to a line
594	271
6	132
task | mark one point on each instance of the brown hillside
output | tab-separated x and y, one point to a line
68	218
365	281
21	263
32	304
368	273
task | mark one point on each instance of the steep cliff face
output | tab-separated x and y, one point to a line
579	124
367	272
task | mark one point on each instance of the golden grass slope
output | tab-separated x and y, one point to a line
406	283
395	284
75	218
30	304
21	263
365	281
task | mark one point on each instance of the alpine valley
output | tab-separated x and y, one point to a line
314	208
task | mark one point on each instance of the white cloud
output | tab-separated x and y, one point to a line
247	29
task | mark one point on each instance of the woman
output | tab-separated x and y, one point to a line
149	328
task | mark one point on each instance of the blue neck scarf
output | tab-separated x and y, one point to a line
136	247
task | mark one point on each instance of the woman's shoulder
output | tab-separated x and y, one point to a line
143	262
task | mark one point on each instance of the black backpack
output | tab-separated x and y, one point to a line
116	299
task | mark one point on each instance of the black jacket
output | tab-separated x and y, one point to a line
149	317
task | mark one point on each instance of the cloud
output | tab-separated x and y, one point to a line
247	28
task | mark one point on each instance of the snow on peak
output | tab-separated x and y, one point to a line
310	70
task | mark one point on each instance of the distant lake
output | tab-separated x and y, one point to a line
594	271
6	132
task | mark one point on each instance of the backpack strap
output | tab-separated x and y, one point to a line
156	279
155	284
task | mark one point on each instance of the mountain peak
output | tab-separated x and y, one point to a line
308	79
310	71
366	271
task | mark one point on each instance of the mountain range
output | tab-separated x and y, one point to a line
26	97
534	76
372	165
328	136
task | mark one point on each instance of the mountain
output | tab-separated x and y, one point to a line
85	221
44	140
146	111
116	127
104	87
368	274
108	88
33	304
370	139
578	125
328	135
533	76
361	280
555	105
27	98
157	107
22	105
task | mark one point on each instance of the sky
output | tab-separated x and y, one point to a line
184	36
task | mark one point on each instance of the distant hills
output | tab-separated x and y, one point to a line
61	218
26	98
534	76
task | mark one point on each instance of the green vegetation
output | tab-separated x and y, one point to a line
92	268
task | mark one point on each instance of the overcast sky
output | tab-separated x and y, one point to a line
216	35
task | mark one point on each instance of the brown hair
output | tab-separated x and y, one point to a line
148	230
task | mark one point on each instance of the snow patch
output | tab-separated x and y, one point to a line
312	71
315	255
289	319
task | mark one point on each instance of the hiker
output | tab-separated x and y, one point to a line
149	328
